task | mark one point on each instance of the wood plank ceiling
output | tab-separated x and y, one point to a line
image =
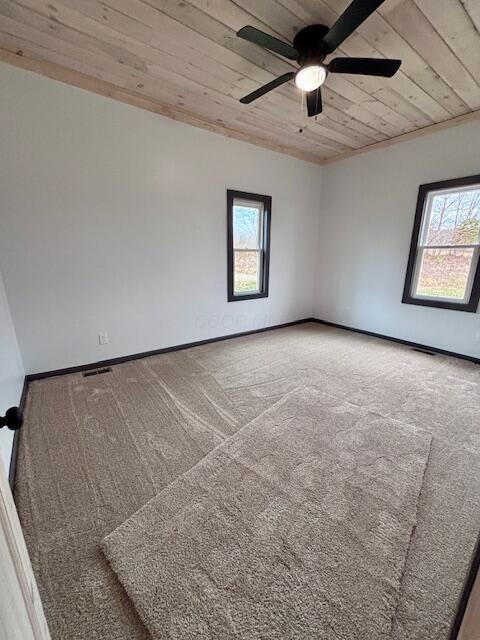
182	59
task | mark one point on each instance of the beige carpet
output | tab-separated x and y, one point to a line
95	450
298	527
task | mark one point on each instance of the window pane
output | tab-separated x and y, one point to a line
247	272
444	273
454	218
246	227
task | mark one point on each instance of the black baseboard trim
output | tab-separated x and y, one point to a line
408	343
155	352
473	571
145	354
16	439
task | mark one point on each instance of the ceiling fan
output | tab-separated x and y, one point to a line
311	46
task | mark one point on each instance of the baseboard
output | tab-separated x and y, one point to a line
473	570
16	438
408	343
145	354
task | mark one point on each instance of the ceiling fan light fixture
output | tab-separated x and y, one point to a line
311	77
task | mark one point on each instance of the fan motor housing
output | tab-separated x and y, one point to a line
308	43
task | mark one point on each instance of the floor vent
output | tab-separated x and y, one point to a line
428	353
96	372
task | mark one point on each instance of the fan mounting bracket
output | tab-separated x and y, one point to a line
308	43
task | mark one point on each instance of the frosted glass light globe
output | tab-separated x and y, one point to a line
310	78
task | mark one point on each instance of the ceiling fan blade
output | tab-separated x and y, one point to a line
268	42
351	19
365	66
267	87
314	102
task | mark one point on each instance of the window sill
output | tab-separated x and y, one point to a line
248	296
470	307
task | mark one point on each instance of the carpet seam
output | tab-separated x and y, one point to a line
410	542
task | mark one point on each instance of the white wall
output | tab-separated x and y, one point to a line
11	374
114	219
368	207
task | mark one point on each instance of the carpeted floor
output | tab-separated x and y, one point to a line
296	527
94	450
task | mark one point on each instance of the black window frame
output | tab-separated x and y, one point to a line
423	192
233	195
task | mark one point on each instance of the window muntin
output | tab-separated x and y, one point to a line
444	258
248	245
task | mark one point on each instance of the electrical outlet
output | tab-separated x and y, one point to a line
103	338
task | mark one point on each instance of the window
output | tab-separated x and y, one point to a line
248	248
443	266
